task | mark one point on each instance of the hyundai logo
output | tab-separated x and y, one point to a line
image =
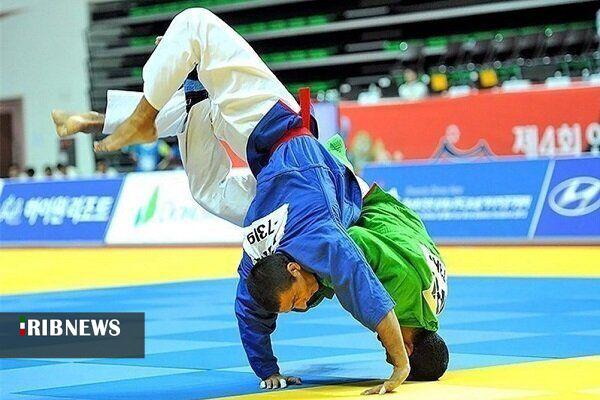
576	196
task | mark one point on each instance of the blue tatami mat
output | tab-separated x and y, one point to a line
193	349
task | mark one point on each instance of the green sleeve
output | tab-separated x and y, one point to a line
336	146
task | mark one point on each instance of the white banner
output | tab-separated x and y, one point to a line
158	208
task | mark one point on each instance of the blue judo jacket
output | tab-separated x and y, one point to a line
305	201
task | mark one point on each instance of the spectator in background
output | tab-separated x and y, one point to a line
175	158
101	167
379	152
364	149
146	156
30	172
61	170
48	173
371	96
412	88
151	156
104	171
65	171
170	157
14	170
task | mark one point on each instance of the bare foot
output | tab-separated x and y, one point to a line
138	128
68	124
132	131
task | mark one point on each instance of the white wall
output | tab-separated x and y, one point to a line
43	61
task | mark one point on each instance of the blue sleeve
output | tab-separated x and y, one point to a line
324	248
256	326
332	254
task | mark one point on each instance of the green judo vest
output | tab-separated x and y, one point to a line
401	253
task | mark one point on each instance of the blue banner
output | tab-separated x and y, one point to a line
475	201
57	212
572	205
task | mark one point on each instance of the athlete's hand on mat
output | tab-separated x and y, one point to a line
398	377
277	381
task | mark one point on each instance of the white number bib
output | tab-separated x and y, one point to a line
436	295
264	235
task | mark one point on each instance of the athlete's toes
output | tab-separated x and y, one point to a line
59	117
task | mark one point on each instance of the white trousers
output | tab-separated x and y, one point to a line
220	190
241	88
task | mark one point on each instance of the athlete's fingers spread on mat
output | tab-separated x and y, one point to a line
398	377
379	389
272	383
277	381
292	380
386	387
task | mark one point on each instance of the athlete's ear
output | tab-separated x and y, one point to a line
294	269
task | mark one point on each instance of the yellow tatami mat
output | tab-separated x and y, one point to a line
39	270
568	379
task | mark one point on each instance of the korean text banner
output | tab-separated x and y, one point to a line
477	201
57	212
534	123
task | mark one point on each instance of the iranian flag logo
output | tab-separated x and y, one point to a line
22	326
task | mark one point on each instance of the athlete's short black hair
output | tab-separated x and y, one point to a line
268	279
429	359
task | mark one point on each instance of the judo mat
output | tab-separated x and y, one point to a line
523	328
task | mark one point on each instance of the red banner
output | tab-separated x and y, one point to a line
539	122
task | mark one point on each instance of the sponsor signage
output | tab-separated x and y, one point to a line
59	212
158	208
484	124
572	206
478	200
72	335
543	200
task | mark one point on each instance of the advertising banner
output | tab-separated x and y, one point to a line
555	201
491	201
534	123
57	212
572	206
158	208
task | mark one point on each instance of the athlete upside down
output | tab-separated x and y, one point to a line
319	240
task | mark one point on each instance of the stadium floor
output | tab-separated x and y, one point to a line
511	337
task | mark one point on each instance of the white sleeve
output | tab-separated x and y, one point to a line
220	190
235	77
120	104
